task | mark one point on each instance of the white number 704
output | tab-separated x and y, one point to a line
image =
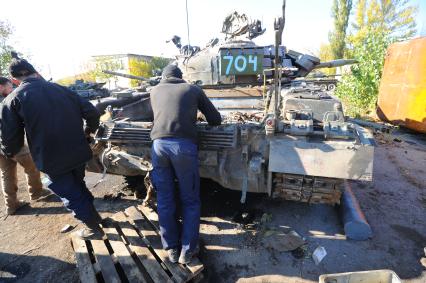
240	63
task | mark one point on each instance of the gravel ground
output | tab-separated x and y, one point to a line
32	249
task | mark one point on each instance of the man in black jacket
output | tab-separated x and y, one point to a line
175	156
52	116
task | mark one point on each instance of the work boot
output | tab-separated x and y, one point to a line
38	196
173	255
11	210
186	257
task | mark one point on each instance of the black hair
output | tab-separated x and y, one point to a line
4	81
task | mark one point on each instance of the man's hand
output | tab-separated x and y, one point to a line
88	134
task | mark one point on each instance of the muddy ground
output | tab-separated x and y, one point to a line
32	249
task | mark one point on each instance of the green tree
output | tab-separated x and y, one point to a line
5	57
88	76
341	10
325	54
158	63
103	63
395	18
141	68
359	89
377	23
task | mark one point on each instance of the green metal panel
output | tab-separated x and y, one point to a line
240	62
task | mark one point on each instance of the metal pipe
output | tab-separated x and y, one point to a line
125	75
354	222
279	27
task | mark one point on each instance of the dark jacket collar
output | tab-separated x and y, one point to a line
31	79
172	80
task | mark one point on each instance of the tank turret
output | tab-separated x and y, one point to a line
89	90
237	60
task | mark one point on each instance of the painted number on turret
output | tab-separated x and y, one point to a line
235	63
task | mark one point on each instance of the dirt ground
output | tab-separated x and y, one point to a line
32	249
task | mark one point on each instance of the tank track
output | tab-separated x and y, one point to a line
308	189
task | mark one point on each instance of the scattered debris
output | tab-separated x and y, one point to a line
113	196
240	117
127	191
67	228
319	254
377	126
282	241
244	216
266	218
269	233
301	252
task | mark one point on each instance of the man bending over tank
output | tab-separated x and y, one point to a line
175	156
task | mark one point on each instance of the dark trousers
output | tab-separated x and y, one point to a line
176	158
72	190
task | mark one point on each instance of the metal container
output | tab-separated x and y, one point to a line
402	94
372	276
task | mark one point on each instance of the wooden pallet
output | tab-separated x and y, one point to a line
131	252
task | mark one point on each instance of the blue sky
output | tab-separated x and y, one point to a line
59	36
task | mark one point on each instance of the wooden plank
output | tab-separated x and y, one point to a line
195	266
151	215
125	259
137	245
178	271
105	261
84	265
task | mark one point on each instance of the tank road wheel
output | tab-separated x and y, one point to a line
331	87
323	87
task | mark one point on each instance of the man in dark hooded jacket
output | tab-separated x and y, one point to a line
175	156
51	116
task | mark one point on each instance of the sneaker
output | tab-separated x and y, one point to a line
186	257
11	210
40	195
87	233
173	255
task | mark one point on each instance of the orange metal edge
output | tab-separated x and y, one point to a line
402	93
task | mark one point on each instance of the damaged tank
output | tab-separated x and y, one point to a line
287	141
89	90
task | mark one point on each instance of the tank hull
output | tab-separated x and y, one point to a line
242	157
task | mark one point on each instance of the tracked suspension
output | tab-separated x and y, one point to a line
308	189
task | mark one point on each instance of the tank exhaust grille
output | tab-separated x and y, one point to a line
212	138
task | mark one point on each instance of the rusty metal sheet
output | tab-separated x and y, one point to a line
402	93
330	159
234	92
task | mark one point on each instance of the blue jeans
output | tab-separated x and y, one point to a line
72	190
177	158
